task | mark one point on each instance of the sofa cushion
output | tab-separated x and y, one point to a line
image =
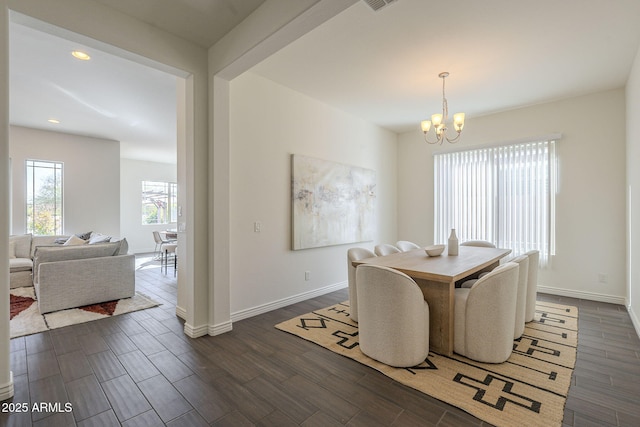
124	246
22	244
12	250
20	264
48	254
64	253
38	241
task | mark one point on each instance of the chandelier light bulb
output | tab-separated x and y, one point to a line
458	121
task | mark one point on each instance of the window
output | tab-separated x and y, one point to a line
44	197
504	194
159	202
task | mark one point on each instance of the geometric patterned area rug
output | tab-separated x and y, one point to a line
25	318
530	388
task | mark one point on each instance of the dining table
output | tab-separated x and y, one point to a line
437	277
170	234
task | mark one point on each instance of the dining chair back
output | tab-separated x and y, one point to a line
157	238
532	284
405	245
354	254
478	243
385	249
394	317
521	301
484	316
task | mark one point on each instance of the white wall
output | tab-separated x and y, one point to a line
633	188
268	124
132	173
590	217
91	178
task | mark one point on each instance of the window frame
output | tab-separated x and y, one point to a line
170	193
32	165
481	168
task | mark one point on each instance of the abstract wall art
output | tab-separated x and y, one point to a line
332	203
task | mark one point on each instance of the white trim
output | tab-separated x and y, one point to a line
220	328
549	137
6	390
181	312
591	296
195	332
634	319
250	312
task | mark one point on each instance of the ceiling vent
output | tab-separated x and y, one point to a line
376	5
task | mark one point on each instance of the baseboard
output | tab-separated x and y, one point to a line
591	296
195	332
634	319
181	313
265	308
220	328
6	390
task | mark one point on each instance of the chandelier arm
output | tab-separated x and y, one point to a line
453	140
437	141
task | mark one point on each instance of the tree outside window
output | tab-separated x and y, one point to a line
44	197
159	202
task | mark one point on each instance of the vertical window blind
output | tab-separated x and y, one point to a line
502	194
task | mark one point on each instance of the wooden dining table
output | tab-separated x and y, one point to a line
437	277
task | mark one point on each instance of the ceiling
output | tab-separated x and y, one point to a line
106	97
501	54
381	66
110	97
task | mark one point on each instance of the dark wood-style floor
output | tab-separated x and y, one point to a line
139	369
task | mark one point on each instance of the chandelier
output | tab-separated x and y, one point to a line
439	121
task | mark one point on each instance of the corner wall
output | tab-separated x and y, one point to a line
269	123
590	204
633	192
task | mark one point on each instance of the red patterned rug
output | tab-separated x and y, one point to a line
25	319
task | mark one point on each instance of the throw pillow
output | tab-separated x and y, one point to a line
74	241
84	236
12	249
99	238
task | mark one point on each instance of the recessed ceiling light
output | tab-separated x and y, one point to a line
54	121
80	55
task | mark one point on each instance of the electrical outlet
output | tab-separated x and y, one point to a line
603	278
307	275
257	227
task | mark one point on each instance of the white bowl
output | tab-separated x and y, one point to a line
434	250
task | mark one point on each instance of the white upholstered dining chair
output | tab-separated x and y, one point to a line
385	249
160	242
405	245
532	285
478	243
354	254
484	316
521	300
394	317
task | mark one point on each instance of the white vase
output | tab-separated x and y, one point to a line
452	247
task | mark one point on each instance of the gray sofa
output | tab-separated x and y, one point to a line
71	276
